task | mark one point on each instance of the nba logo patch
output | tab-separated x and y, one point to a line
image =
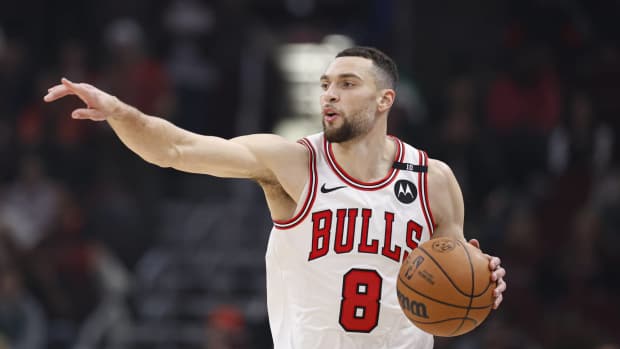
405	191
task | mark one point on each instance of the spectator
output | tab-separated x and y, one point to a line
226	329
29	205
22	323
583	142
523	106
131	73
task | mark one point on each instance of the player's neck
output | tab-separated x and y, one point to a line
368	158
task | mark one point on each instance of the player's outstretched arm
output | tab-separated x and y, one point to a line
446	204
162	143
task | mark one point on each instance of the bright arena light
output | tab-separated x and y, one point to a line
302	64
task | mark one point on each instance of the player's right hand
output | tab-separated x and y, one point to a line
99	105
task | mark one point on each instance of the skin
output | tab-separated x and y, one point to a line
352	89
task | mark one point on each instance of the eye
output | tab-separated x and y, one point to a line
347	84
324	85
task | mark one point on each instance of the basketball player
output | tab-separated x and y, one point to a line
347	204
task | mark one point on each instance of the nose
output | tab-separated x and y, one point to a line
328	96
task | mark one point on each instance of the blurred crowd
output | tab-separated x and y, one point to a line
521	99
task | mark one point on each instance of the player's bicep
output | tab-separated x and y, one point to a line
446	201
217	156
278	159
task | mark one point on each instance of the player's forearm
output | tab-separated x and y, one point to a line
152	138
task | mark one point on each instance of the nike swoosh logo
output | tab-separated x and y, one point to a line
327	190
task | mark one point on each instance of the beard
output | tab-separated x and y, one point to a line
350	129
341	134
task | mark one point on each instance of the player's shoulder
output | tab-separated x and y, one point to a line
444	195
285	158
439	170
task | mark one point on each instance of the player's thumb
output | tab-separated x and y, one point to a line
77	89
92	114
474	243
68	83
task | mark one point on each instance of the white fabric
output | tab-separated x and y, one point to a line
305	294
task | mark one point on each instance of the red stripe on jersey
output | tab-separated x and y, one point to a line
310	195
422	191
428	206
355	183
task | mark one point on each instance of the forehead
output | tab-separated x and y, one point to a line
349	65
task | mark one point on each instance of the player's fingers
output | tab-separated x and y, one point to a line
92	114
475	243
494	263
498	301
500	288
498	274
56	92
78	89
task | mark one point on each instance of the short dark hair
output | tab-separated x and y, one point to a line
382	61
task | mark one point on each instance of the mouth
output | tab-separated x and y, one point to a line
329	115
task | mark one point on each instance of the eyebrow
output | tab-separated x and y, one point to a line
343	76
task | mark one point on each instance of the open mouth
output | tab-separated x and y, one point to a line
330	115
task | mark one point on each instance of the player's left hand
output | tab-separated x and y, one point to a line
497	275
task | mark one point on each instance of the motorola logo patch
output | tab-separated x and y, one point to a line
405	191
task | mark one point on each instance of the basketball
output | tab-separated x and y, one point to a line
444	287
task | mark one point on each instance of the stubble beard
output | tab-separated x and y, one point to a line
350	128
339	134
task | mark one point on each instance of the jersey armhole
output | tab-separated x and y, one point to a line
423	193
310	190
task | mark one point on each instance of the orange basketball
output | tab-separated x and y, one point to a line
444	287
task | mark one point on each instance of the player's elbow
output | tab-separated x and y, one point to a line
166	158
158	161
171	157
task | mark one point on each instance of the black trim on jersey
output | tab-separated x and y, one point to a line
406	166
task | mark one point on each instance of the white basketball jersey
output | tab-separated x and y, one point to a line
332	268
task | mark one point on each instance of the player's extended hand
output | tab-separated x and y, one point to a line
100	105
497	274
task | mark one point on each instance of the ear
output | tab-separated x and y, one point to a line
385	99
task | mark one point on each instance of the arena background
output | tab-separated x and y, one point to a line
101	250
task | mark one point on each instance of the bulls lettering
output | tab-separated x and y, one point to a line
321	224
338	233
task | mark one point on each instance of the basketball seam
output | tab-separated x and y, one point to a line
471	299
450	279
444	320
484	290
439	301
444	272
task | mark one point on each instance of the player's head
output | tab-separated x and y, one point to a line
385	70
358	89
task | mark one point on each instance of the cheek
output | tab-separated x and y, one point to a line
361	101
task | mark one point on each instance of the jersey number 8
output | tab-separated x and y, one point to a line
361	300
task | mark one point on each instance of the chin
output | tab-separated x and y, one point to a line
337	135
